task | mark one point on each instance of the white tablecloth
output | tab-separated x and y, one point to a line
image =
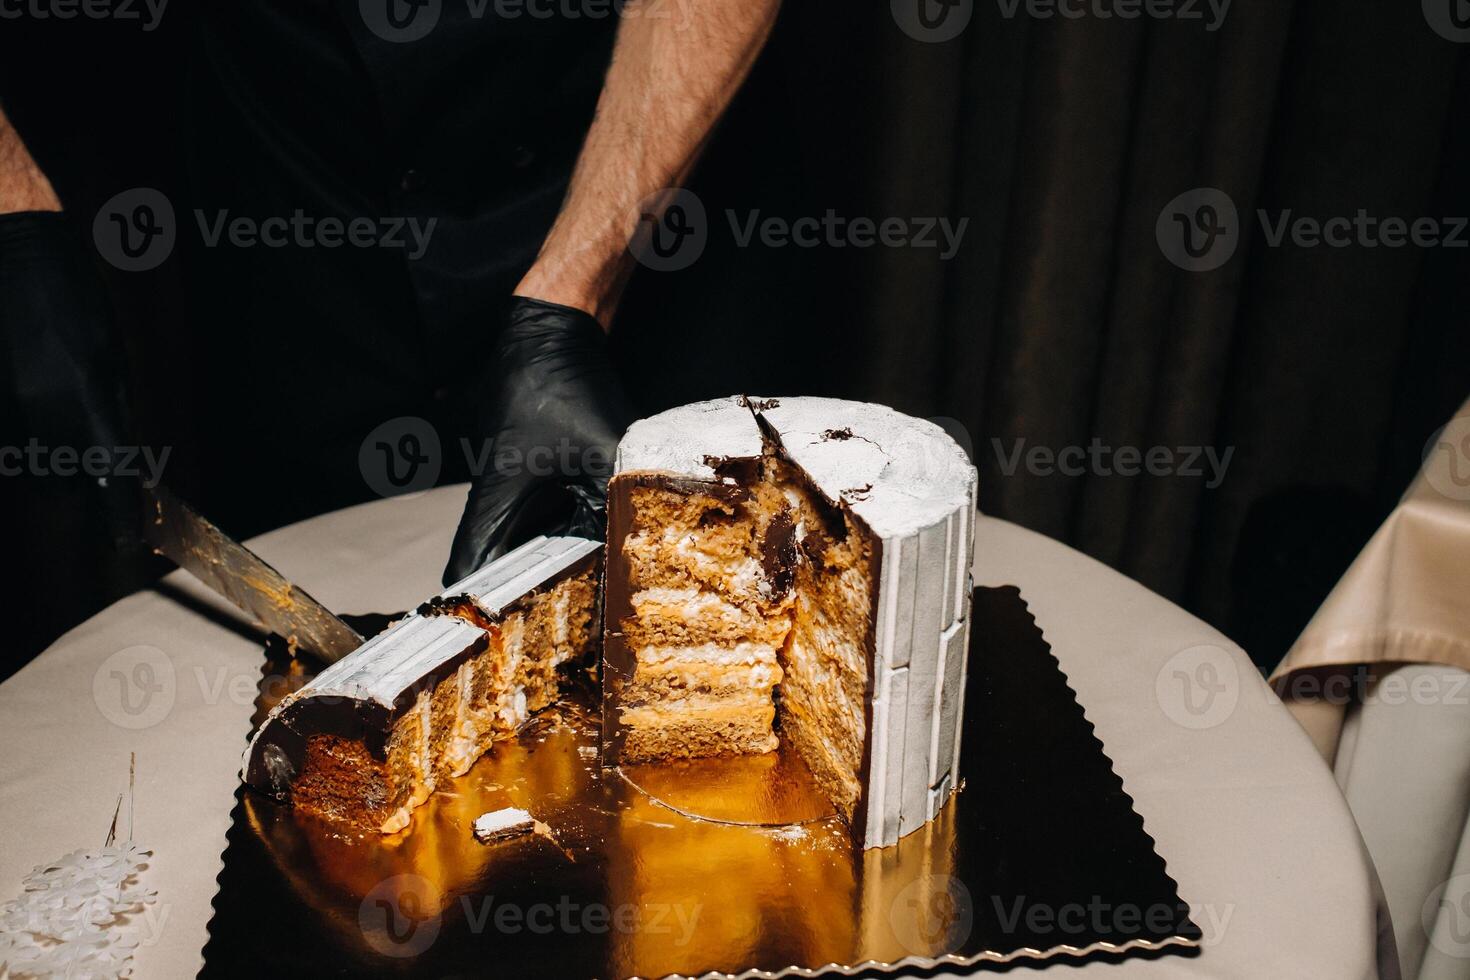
1243	809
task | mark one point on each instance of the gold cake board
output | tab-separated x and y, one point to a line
724	866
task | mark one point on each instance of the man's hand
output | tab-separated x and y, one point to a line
554	410
553	405
675	67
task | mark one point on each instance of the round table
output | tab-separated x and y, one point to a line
1242	807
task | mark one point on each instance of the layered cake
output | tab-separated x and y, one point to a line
793	569
370	738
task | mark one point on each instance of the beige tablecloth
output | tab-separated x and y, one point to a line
1379	680
1244	812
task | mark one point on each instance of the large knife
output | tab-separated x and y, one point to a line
180	533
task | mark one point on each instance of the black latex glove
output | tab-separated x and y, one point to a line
56	328
554	409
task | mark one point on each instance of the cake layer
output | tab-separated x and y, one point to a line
690	616
685	732
335	771
670	680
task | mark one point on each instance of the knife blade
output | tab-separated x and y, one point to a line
180	533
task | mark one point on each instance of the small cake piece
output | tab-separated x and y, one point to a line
370	738
357	745
793	569
499	825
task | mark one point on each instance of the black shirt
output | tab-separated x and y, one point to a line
450	125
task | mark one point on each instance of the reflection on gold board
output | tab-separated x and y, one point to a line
718	864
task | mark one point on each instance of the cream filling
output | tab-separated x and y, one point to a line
708	653
513	650
463	742
675	711
744	576
561	624
741	576
760	677
512	710
690	605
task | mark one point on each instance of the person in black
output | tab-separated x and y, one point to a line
497	157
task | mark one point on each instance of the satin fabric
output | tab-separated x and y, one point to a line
1379	681
1405	599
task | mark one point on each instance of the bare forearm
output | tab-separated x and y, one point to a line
675	68
23	187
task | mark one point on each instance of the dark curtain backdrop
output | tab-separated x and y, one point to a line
1059	320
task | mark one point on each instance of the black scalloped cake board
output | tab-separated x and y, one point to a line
1047	861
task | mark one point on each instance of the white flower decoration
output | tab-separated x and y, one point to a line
74	916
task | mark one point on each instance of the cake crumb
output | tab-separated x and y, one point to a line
510	823
503	824
792	832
